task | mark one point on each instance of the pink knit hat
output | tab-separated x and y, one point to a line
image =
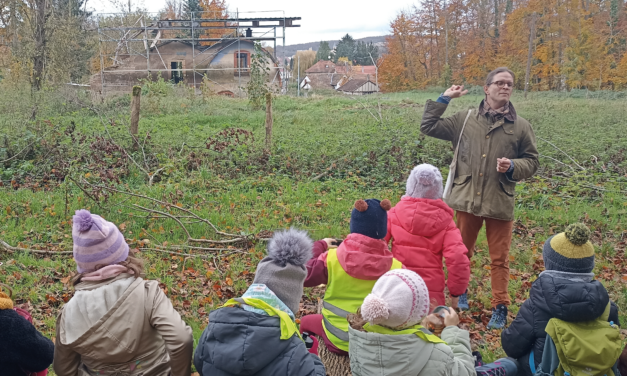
425	181
96	242
399	300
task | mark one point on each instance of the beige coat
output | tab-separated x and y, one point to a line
374	354
121	327
478	188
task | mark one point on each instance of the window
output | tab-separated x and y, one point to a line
242	60
242	63
177	71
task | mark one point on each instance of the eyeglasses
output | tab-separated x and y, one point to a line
500	84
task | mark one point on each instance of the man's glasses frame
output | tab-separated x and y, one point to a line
500	84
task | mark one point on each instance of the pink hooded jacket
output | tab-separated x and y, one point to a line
422	232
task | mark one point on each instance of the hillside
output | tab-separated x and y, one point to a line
291	49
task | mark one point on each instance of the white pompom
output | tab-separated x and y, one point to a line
374	309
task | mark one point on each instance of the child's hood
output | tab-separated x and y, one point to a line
420	216
242	342
572	297
363	257
405	354
122	333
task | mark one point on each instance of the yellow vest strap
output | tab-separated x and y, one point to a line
288	327
418	330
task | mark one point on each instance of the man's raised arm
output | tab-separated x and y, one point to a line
432	122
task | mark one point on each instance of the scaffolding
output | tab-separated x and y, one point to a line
134	46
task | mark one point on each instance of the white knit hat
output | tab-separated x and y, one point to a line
399	300
425	181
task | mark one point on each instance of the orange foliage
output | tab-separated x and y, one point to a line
213	9
578	43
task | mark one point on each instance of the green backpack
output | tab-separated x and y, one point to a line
589	348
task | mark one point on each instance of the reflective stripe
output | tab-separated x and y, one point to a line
339	333
337	310
426	331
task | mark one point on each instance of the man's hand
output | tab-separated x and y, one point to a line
503	164
455	91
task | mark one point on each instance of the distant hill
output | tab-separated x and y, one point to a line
291	49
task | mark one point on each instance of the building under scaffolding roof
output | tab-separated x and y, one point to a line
203	50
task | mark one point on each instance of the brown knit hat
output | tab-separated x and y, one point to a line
5	300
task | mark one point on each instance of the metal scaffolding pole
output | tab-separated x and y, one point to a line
120	39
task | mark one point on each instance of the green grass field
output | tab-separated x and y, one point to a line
327	151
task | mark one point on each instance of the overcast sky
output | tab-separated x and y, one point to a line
321	19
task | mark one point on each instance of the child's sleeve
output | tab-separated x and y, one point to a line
317	273
517	339
175	333
459	341
66	361
457	263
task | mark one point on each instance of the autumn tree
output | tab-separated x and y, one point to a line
214	10
575	44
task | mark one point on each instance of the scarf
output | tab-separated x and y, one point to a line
495	115
262	292
105	273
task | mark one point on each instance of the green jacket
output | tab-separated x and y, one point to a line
373	354
483	142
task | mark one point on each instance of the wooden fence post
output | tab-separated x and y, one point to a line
135	107
268	121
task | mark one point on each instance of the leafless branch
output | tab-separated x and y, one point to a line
167	215
558	161
12	249
566	154
168	204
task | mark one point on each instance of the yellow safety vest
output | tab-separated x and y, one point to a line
344	295
288	327
418	330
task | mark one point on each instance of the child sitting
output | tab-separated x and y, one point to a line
349	272
422	230
23	350
566	290
386	337
256	334
117	323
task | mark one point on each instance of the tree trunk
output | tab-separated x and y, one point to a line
40	43
268	121
532	37
135	108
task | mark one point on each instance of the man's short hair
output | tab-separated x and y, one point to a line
491	75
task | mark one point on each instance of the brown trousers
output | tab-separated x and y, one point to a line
499	234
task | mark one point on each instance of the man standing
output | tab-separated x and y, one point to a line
497	149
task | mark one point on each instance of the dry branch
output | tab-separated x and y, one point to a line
566	154
169	204
12	249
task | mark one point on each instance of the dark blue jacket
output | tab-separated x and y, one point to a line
238	342
22	347
569	297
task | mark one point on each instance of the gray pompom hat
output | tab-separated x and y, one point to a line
284	270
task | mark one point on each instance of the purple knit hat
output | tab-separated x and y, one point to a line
96	242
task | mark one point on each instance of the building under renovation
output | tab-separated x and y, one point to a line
186	52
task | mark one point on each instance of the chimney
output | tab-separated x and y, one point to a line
249	33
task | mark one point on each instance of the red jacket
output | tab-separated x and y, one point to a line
422	232
360	256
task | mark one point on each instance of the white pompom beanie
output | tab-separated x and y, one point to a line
425	181
399	300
